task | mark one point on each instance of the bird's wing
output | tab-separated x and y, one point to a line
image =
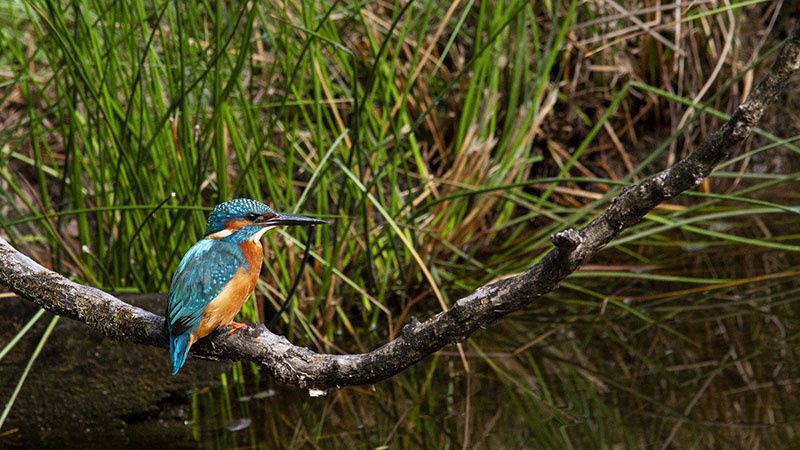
202	273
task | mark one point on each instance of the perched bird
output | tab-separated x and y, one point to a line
217	275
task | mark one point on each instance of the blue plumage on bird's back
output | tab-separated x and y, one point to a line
201	275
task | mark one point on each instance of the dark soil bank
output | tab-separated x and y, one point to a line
85	391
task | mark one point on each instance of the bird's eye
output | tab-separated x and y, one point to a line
251	217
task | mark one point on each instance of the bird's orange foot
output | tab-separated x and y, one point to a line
236	326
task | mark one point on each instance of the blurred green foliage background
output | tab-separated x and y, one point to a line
445	142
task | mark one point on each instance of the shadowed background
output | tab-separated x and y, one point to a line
445	142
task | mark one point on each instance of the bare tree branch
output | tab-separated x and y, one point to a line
300	366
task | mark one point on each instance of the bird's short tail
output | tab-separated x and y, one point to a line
179	350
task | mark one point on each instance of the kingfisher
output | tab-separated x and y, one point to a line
219	272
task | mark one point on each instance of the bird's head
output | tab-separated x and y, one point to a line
245	219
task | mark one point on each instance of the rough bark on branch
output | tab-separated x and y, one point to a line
300	366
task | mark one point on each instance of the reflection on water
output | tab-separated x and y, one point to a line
256	413
434	405
707	367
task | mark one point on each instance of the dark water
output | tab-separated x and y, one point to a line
434	405
668	365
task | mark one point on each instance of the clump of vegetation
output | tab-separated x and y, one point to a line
445	142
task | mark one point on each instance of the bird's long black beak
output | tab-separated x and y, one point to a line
289	219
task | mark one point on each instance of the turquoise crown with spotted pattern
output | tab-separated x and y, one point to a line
236	209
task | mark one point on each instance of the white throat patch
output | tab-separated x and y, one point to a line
257	237
226	232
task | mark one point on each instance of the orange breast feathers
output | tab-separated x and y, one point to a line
221	311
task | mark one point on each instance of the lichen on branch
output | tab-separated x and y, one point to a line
300	366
